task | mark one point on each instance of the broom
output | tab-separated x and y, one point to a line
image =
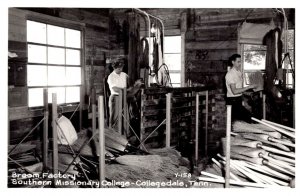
279	125
292	135
270	172
246	158
265	139
279	163
250	153
278	168
291	161
242	127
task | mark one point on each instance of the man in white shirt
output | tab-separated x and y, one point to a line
235	89
118	81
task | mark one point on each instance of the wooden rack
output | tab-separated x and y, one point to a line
165	112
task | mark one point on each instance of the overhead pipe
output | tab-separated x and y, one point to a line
149	34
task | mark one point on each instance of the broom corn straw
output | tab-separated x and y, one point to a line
279	125
243	127
292	135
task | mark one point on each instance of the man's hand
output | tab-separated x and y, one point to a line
252	86
138	83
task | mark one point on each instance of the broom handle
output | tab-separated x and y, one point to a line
265	162
263	177
216	162
227	152
282	158
211	175
231	173
233	168
278	125
248	173
276	128
266	171
281	142
279	163
269	149
241	170
267	178
233	182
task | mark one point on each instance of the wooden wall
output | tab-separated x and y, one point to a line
95	27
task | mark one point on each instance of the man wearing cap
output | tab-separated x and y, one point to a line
117	81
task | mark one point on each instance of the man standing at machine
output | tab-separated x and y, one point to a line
235	89
117	81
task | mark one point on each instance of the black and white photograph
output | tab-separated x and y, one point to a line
150	97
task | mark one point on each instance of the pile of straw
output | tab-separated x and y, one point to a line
157	168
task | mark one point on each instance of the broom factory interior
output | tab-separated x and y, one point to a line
151	97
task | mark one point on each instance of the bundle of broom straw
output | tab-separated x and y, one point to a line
256	78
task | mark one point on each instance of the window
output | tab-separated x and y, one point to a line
172	54
173	58
288	64
54	62
254	59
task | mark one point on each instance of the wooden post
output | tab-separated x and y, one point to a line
45	130
264	105
206	122
80	107
125	125
183	29
168	120
197	130
54	135
120	112
94	114
228	130
294	108
101	140
94	117
94	110
141	117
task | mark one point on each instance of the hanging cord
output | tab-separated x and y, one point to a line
165	66
285	40
290	63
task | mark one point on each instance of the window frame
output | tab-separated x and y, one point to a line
63	23
180	54
288	69
242	46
